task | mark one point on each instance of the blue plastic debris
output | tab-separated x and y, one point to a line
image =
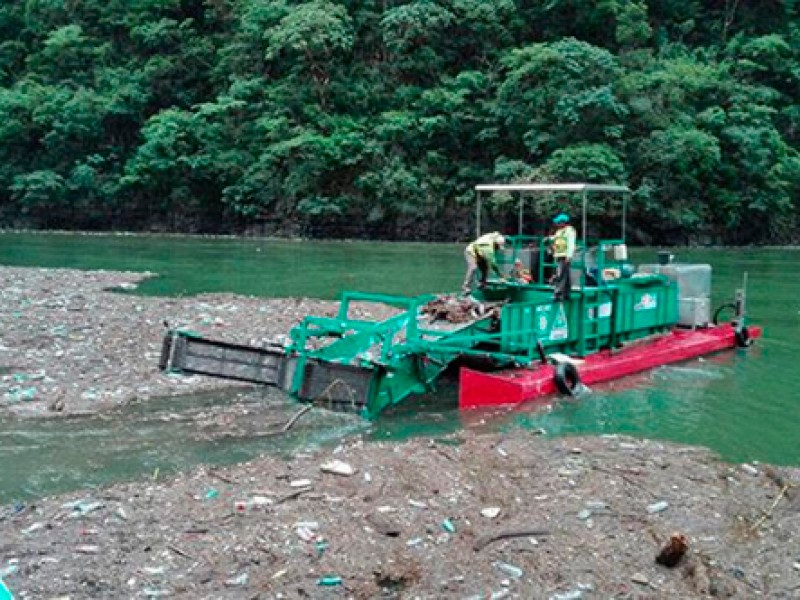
82	508
5	593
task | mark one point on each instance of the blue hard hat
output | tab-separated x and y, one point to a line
561	218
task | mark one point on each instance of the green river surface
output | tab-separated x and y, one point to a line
743	404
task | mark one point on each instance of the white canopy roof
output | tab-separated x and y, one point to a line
582	188
550	187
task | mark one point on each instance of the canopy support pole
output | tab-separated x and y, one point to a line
478	218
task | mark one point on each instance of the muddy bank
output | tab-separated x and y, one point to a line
582	518
68	344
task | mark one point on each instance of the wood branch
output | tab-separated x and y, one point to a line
768	513
489	538
287	426
292	495
290	423
214	474
180	552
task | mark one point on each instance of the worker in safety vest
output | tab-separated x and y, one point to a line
480	256
563	246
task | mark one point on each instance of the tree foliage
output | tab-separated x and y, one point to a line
376	118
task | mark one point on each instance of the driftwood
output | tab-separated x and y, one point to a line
489	538
221	477
290	423
180	552
768	513
287	426
458	310
293	495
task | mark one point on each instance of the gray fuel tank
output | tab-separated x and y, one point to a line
694	290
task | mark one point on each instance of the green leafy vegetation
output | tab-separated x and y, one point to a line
339	118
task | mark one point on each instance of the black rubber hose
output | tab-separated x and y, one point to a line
540	350
720	309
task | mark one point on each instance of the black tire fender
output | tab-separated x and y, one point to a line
567	378
742	337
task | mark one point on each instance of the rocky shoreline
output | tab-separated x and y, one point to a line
471	515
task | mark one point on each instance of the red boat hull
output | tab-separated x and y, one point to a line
478	389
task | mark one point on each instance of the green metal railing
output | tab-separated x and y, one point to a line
403	356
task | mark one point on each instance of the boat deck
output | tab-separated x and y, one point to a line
512	386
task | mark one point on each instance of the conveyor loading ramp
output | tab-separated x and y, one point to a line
342	363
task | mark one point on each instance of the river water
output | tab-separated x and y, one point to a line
744	404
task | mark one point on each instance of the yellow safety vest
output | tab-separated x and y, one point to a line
564	242
483	247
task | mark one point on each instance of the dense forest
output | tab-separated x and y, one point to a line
376	118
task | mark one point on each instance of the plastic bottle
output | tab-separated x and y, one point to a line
658	507
510	570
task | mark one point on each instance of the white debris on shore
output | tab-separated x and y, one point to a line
70	344
513	515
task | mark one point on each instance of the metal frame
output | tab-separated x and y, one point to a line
583	188
397	370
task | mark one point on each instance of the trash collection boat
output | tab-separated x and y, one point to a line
512	340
